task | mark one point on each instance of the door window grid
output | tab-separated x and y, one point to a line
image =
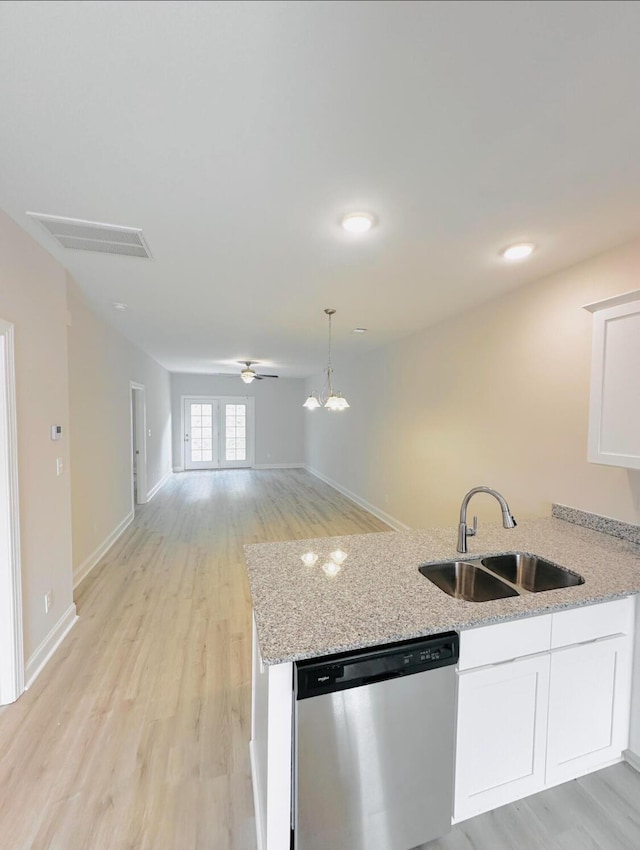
235	432
201	433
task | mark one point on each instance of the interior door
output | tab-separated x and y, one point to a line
201	433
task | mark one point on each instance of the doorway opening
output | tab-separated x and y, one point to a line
11	640
218	432
138	445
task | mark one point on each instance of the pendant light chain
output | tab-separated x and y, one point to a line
329	369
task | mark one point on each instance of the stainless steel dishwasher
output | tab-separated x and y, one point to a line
374	746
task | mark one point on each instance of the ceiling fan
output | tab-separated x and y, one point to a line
248	374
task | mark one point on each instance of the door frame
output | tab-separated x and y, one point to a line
11	629
138	397
221	399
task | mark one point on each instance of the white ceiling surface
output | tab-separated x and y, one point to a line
237	134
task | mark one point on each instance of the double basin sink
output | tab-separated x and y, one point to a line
482	579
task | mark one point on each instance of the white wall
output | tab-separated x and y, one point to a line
497	396
279	413
101	365
33	298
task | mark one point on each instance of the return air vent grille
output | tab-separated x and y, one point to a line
94	236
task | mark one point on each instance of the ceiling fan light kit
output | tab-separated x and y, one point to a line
248	374
328	398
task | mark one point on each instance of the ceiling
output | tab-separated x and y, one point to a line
236	134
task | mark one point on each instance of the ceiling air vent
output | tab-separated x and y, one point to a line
94	235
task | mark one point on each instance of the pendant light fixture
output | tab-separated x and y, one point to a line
328	397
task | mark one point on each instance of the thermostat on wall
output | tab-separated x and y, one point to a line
56	432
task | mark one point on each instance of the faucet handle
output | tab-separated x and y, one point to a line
471	532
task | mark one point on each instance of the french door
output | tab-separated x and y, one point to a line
218	432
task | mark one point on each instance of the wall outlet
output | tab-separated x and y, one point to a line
48	601
59	466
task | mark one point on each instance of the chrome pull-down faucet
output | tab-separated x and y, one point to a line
465	532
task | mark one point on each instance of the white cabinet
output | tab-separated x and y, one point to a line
614	410
533	722
588	707
633	753
501	742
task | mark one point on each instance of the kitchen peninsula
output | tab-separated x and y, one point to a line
377	597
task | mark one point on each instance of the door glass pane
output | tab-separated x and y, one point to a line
201	424
235	432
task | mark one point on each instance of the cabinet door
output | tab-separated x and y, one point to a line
501	738
614	413
588	707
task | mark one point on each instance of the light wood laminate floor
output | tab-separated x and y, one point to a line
135	737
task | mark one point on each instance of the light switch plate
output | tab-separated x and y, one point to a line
59	466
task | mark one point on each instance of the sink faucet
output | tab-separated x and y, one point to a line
463	529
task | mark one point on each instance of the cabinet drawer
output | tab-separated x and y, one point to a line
504	641
592	622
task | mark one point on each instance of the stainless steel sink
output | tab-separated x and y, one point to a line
530	572
467	581
498	576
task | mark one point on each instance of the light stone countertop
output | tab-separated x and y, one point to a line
379	596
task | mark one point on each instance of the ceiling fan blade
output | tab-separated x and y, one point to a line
267	376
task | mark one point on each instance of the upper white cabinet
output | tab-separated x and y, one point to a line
614	411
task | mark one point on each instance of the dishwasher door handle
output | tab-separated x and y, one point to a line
382	677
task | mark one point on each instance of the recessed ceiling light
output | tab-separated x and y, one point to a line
520	251
358	222
359	331
118	305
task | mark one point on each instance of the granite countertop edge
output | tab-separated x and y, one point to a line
379	596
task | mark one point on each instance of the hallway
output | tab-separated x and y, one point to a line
136	734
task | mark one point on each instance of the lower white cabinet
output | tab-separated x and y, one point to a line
533	722
501	744
588	707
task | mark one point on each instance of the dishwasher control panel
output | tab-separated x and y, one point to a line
367	666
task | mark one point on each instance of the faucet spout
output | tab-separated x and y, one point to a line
464	532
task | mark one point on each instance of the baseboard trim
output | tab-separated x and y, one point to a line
257	799
259	466
633	759
278	466
157	487
377	512
35	665
83	569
